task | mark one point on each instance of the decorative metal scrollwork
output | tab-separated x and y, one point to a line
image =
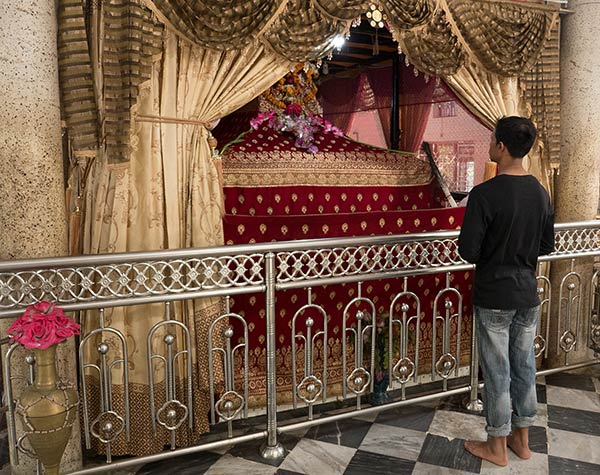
358	381
309	389
229	405
360	378
445	365
448	362
539	345
567	341
28	451
595	334
324	263
569	312
129	280
544	291
403	370
107	426
594	327
172	414
174	347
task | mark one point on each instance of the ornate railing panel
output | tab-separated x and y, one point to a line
99	282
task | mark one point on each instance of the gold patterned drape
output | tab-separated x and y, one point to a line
167	196
119	37
542	90
503	37
490	97
432	48
294	29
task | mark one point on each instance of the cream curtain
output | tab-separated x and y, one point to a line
168	196
490	97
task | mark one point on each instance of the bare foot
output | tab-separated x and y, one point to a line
518	442
489	451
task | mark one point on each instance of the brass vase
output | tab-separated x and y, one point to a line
47	411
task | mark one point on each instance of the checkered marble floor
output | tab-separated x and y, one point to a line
425	440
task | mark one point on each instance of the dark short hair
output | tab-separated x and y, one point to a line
517	134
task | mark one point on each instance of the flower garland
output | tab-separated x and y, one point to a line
296	87
299	124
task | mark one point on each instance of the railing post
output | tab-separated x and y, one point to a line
474	404
271	450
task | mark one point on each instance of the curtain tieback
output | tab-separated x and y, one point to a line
161	119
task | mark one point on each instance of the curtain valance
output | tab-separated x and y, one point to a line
438	35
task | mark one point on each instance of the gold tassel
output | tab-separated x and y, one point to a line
216	159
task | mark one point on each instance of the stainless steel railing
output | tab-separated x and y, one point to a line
118	280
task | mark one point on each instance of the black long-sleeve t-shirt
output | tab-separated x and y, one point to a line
508	223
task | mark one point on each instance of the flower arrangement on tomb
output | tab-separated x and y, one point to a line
301	125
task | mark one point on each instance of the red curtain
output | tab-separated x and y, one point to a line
381	84
339	98
342	97
372	90
415	106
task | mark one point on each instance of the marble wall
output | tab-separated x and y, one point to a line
32	204
578	182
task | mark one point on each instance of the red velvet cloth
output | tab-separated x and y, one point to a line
263	158
249	229
276	192
322	200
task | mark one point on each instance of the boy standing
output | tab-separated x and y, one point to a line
508	223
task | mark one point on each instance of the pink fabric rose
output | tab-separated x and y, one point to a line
42	325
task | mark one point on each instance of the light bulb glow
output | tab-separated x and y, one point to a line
338	42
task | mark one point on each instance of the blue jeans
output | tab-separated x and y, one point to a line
507	359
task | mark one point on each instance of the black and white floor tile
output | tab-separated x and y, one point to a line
428	440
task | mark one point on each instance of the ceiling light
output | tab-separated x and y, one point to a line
338	42
376	16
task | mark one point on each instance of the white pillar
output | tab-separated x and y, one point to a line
578	184
32	204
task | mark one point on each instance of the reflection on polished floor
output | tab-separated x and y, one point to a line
425	440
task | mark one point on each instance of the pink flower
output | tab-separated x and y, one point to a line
293	109
329	127
260	118
295	122
42	325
